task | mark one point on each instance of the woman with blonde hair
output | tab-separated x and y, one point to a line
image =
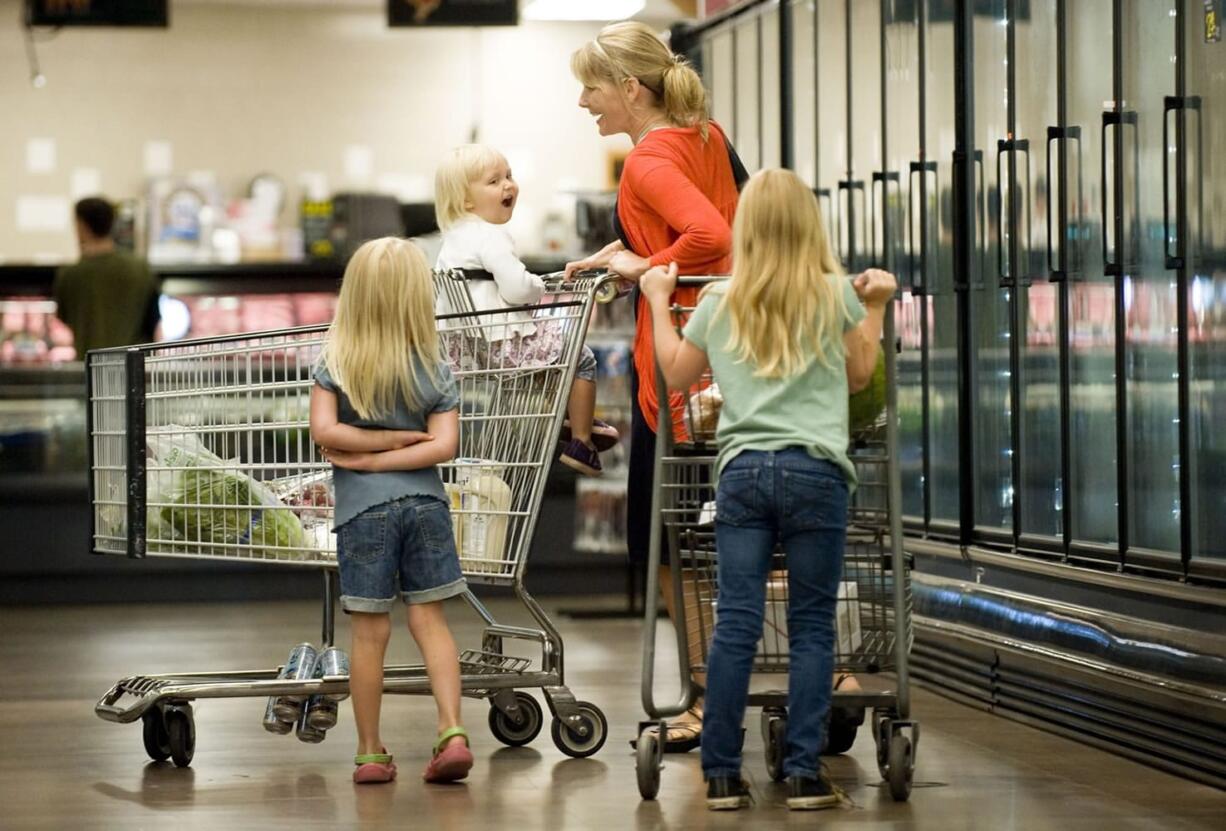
785	339
675	204
385	423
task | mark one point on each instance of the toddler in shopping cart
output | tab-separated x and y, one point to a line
785	338
474	197
385	424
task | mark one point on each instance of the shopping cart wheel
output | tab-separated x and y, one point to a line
587	738
157	742
181	732
647	762
902	767
513	732
882	733
774	739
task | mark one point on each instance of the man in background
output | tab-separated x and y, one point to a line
109	298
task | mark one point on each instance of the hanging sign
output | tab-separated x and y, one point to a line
452	12
1213	22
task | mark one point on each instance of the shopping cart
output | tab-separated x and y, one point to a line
201	449
873	622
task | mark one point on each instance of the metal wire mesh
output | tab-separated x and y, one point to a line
865	613
231	471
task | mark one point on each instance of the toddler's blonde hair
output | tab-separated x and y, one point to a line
384	318
459	169
784	303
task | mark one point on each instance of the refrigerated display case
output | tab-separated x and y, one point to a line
43	483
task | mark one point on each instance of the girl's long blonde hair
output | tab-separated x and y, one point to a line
384	317
631	49
782	303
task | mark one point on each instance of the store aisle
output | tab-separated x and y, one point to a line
65	768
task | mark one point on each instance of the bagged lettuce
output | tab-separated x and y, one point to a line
217	506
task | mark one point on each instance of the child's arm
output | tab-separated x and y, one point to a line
327	431
680	360
445	429
516	284
876	288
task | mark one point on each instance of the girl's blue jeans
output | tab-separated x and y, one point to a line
792	498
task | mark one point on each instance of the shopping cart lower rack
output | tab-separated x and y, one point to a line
201	449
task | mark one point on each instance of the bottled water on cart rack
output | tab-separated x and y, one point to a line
307	733
332	662
273	724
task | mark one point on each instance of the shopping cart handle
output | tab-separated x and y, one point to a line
107	709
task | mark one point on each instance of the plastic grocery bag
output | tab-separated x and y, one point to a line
197	500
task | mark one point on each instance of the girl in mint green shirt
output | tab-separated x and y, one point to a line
786	339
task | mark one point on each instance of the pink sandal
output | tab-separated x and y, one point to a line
374	768
451	763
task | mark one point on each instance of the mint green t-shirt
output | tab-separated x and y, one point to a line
807	410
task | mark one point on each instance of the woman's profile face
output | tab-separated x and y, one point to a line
608	107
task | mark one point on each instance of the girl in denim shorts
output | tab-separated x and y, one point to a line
785	339
385	410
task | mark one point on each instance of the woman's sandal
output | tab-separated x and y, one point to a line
373	768
451	763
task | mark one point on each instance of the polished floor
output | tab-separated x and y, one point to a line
63	768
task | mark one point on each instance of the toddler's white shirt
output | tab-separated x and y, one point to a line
474	243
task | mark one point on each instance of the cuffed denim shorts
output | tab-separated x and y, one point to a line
403	549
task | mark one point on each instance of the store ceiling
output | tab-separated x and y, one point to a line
655	11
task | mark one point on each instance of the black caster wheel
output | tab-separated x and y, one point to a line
517	731
153	731
776	745
902	768
181	732
882	735
584	740
647	762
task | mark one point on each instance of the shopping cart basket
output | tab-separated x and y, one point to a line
201	449
873	610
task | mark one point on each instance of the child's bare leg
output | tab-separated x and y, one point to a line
428	625
370	636
581	409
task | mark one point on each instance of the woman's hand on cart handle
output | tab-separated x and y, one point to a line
658	284
629	266
598	260
875	287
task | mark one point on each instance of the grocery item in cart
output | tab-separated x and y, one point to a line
702	413
196	497
482	524
299	667
271	723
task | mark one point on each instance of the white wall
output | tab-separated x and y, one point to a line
239	89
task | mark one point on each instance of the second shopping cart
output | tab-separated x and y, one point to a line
873	609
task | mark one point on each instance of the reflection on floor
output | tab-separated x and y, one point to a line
65	768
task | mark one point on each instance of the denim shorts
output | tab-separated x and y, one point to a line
405	547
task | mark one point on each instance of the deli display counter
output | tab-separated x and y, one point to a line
44	510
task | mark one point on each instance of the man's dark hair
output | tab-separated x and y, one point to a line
97	214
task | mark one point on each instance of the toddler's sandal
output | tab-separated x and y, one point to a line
373	768
451	763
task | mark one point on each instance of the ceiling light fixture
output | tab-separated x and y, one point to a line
582	9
